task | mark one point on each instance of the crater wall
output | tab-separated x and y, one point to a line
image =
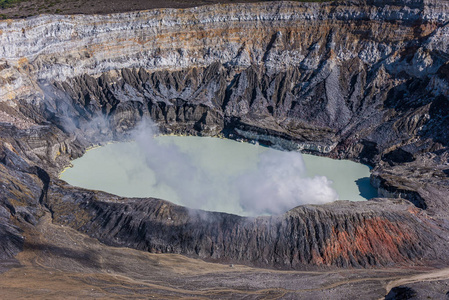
361	80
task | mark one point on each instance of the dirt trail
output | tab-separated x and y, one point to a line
441	274
58	260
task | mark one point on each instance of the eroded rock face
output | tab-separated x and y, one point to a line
378	233
361	80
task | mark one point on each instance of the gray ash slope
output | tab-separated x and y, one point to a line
358	80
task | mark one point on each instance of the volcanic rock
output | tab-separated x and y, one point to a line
359	80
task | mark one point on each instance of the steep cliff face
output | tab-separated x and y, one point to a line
364	80
278	35
372	234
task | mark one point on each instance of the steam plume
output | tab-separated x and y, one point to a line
279	183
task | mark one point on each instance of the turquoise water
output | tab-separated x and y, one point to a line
219	175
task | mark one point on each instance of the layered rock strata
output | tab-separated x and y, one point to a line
361	80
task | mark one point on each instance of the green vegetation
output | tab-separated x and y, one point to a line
8	3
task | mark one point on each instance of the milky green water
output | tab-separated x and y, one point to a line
210	175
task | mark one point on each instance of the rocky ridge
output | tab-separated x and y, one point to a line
361	80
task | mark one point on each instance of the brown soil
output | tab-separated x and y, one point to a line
35	7
58	260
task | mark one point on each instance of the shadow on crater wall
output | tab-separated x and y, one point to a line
365	188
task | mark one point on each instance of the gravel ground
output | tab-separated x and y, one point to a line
30	8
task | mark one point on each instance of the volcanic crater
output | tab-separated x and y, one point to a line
359	80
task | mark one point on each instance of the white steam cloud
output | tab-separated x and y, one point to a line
173	168
278	184
281	183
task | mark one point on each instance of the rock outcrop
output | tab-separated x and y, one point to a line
360	80
375	233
